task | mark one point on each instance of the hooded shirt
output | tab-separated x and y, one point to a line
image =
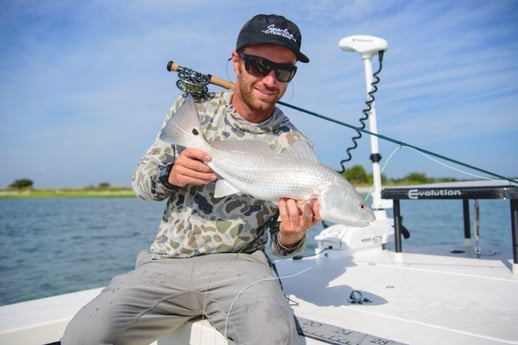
194	222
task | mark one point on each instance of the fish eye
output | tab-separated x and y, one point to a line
195	131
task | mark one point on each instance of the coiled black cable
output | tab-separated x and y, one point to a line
366	112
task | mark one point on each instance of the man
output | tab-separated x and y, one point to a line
208	259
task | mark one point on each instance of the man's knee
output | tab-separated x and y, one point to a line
79	332
264	323
95	323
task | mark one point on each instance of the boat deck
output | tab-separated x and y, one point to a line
430	297
415	298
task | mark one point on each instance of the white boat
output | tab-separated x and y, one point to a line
354	290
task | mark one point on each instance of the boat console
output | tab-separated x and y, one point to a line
465	191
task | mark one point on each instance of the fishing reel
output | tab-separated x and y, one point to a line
195	83
190	81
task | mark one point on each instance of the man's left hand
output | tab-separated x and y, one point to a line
297	216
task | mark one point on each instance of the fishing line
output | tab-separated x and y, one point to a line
451	167
431	159
226	67
383	169
253	283
398	142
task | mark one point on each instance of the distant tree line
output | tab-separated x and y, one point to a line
23	183
26	183
358	176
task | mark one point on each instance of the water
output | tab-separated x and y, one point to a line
54	246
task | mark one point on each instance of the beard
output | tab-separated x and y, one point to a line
247	89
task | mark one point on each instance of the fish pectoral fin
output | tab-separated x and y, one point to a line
223	188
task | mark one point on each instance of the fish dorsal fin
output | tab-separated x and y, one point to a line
223	188
245	146
299	150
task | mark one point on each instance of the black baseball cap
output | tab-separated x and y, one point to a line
271	29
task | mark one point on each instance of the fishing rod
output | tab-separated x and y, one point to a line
195	83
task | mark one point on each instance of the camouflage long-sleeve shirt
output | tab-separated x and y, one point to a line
194	222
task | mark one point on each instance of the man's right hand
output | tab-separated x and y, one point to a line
190	168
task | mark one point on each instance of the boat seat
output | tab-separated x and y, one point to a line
195	332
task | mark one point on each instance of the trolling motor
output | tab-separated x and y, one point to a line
339	237
367	47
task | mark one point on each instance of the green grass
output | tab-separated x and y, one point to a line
67	193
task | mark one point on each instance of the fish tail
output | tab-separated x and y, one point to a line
183	128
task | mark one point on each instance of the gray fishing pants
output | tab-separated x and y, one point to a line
234	292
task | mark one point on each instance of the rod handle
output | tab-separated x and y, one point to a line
172	66
227	84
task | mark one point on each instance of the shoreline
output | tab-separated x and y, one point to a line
67	193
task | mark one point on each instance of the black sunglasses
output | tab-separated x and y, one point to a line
260	67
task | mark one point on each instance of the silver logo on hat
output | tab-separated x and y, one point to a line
272	30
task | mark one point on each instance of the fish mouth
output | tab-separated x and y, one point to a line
361	224
364	221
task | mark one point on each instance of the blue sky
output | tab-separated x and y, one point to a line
84	87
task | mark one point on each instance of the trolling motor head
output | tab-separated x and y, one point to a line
366	45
